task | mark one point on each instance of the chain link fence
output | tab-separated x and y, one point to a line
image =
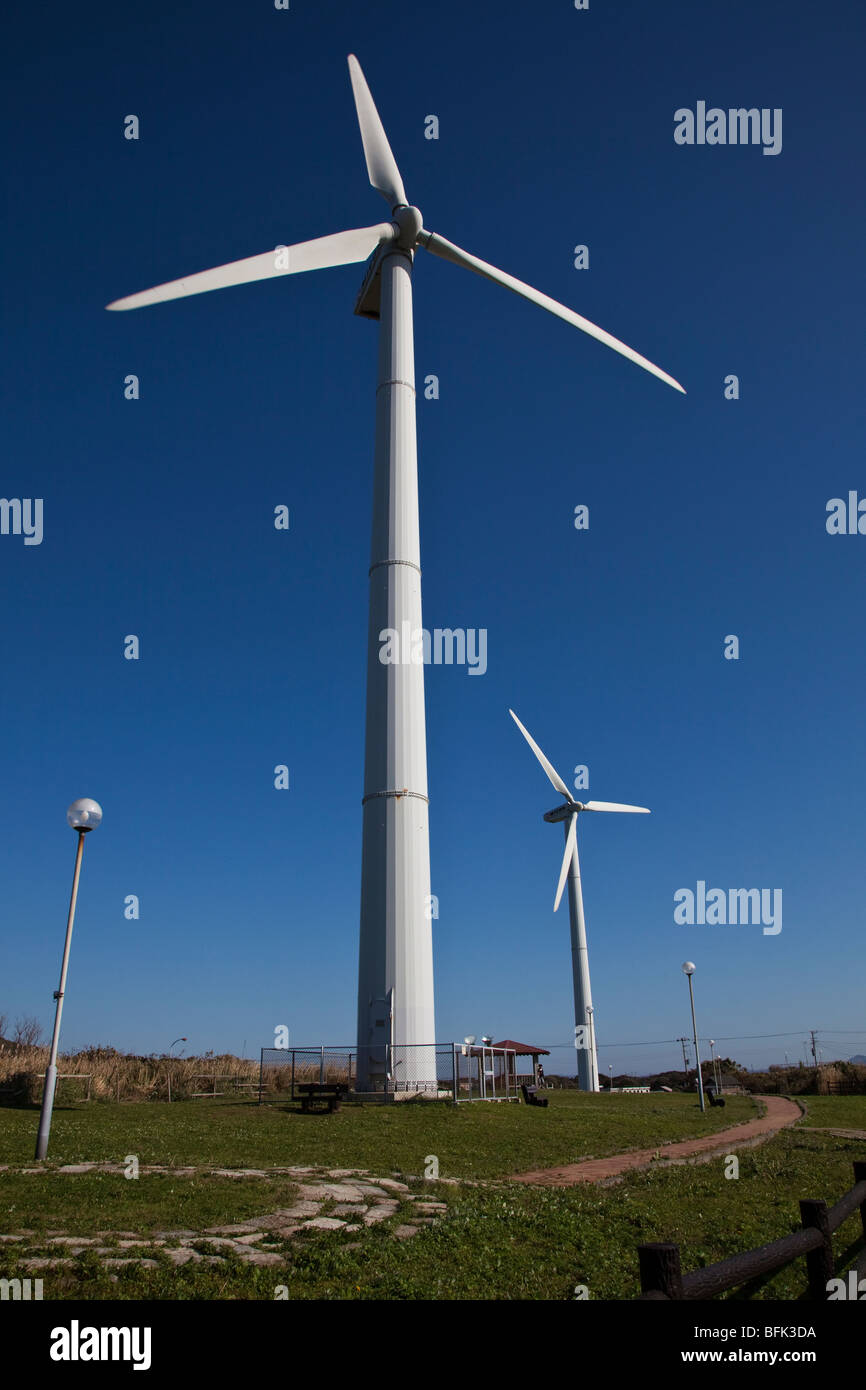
283	1069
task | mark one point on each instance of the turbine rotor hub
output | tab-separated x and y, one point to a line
408	222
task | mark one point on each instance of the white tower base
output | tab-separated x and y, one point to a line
395	975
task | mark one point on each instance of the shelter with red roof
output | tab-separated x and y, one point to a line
523	1050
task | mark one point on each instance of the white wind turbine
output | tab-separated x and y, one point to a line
395	986
587	1056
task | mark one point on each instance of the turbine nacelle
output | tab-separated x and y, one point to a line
409	224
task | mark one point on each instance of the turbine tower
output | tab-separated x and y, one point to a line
395	978
587	1055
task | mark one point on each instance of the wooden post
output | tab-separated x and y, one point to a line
860	1176
819	1262
660	1269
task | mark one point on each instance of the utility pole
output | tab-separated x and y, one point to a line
685	1060
814	1053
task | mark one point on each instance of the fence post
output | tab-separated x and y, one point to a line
860	1176
819	1263
322	1067
261	1071
660	1270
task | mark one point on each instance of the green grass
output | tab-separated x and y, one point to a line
470	1141
82	1203
839	1112
507	1241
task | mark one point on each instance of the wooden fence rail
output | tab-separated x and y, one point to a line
662	1278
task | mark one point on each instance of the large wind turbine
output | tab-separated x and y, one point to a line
395	982
587	1056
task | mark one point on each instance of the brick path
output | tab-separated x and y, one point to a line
779	1115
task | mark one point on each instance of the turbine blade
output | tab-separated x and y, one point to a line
343	248
381	164
570	844
551	771
613	806
449	252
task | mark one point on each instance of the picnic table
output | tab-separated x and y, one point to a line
318	1096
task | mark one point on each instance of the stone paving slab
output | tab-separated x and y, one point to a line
122	1264
41	1262
182	1255
379	1213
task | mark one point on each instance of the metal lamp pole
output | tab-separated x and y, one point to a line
689	969
83	815
174	1044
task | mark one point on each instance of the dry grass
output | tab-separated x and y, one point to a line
106	1074
119	1076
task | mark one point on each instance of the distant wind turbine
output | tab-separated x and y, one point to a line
395	981
587	1056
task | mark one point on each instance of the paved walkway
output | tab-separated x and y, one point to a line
780	1113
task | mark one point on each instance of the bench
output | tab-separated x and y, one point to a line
531	1096
316	1097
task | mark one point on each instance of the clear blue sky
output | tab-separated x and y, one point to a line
707	516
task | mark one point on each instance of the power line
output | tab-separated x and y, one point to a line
719	1037
665	1042
745	1037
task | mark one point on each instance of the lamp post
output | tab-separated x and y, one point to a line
689	969
83	815
717	1075
174	1044
610	1069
